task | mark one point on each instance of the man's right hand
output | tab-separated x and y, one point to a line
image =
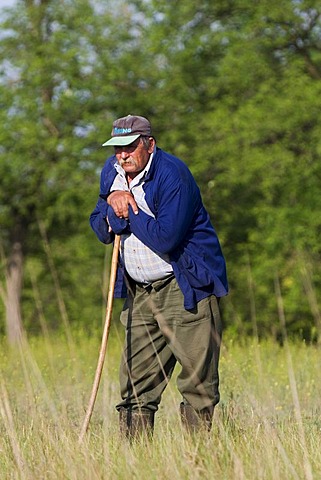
119	200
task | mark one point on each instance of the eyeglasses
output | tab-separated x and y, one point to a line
128	148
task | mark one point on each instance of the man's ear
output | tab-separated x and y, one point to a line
151	144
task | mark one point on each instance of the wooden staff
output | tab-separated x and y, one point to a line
104	340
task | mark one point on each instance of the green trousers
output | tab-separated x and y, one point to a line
160	333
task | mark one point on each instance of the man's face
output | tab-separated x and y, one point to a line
133	158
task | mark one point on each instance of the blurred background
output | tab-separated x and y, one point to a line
233	88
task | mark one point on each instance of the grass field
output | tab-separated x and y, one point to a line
267	425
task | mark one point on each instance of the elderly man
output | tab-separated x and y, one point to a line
173	273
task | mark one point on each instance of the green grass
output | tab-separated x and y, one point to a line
267	425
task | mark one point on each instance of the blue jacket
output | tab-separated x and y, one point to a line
181	227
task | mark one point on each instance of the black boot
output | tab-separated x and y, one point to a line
194	420
136	424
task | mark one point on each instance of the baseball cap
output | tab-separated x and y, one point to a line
127	129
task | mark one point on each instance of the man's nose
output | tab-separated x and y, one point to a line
124	154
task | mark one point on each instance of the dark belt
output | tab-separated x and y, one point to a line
156	285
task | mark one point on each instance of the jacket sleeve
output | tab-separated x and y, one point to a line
99	223
103	215
178	200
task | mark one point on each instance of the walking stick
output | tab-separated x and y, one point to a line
104	340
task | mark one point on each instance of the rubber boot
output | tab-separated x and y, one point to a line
136	424
194	420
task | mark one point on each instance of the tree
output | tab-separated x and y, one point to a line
240	84
58	92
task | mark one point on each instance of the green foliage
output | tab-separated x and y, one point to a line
231	87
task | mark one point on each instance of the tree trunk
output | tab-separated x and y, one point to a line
13	294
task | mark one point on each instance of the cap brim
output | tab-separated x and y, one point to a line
120	141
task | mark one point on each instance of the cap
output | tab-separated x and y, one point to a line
127	129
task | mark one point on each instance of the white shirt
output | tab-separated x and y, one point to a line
141	263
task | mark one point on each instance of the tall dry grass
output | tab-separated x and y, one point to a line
267	425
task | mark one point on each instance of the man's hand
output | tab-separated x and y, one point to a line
119	201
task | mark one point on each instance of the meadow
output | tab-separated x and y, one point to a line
267	425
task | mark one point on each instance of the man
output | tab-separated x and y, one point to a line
173	272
